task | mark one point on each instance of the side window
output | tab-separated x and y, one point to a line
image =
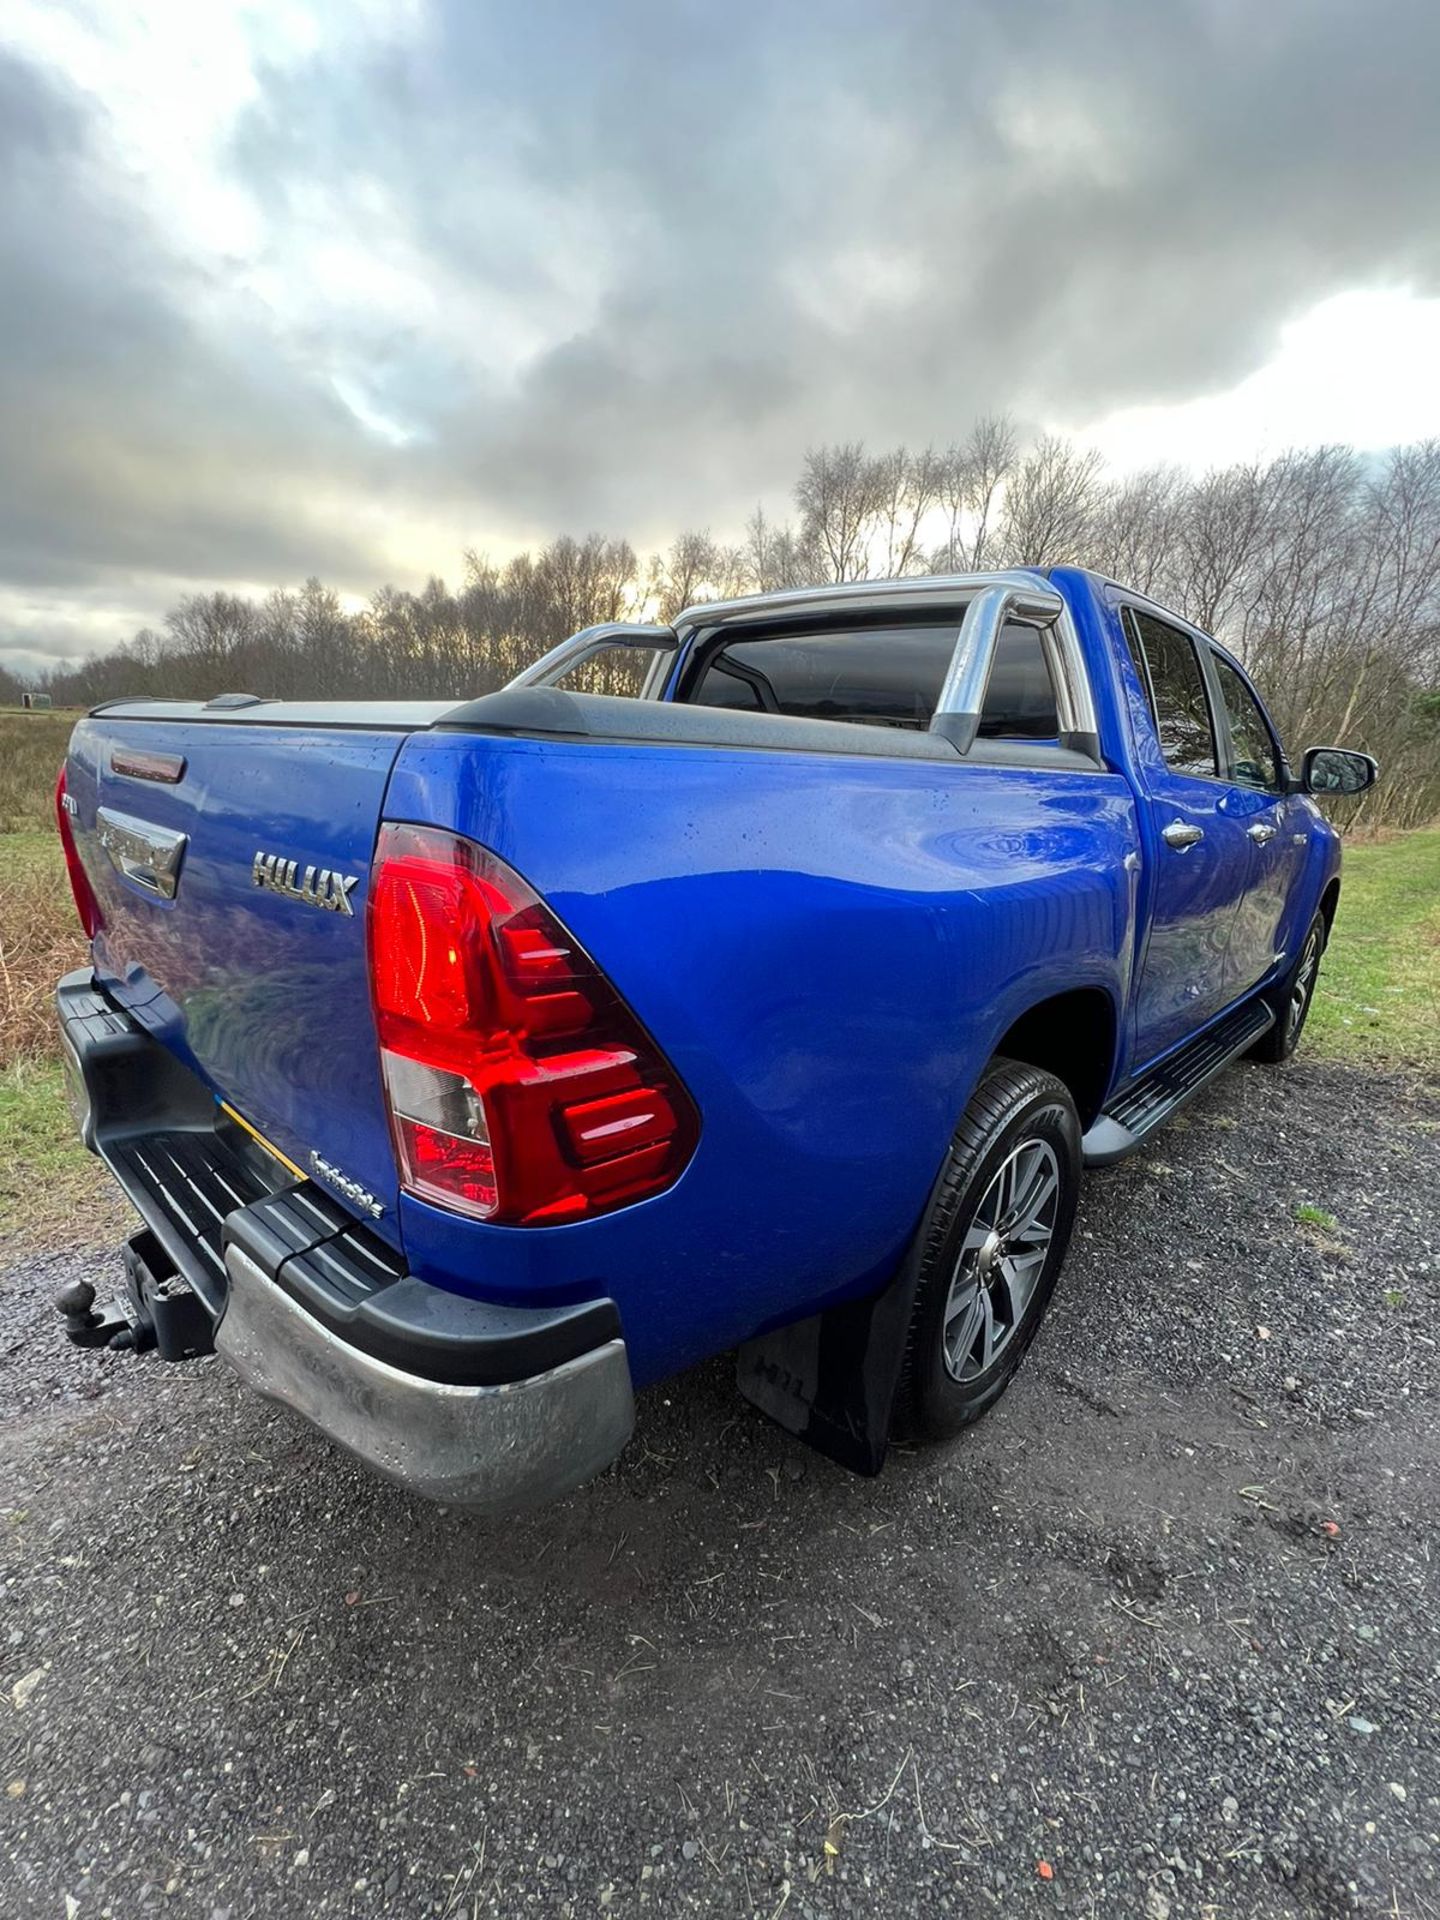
1137	660
1177	693
1253	760
728	683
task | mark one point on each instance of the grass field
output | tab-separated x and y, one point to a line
51	1189
32	745
48	1184
1379	994
1378	1001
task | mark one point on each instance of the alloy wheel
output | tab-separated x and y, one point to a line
1302	986
1001	1259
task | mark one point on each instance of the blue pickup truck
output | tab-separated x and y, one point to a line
471	1066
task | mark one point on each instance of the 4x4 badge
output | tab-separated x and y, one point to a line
315	886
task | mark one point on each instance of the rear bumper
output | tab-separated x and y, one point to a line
496	1448
462	1400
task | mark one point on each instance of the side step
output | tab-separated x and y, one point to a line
1137	1110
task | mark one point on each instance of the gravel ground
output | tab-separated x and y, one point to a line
1158	1638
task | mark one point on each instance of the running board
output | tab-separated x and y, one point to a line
1139	1109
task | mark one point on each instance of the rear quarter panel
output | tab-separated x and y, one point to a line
827	948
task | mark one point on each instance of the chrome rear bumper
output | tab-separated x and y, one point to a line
496	1448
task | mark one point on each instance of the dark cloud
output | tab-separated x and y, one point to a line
137	439
665	246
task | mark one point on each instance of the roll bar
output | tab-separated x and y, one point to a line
992	600
555	664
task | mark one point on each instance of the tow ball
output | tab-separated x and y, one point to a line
158	1309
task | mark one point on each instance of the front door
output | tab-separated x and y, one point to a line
1276	824
1197	848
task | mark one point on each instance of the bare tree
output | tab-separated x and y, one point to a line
838	494
991	453
905	488
1135	529
774	557
204	636
1221	530
683	575
1320	569
1050	504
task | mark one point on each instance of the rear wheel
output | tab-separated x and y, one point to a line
1290	1000
990	1248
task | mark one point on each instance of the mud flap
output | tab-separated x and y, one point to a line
831	1380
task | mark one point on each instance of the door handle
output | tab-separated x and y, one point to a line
1181	835
1261	832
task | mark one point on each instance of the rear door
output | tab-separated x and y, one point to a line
1197	851
231	863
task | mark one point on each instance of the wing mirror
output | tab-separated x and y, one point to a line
1337	772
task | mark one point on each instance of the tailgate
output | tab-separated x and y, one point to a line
230	862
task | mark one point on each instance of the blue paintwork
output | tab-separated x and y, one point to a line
1217	921
267	1000
827	948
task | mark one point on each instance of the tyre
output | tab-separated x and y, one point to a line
1290	1000
989	1249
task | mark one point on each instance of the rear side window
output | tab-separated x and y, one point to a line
1253	761
1170	672
881	676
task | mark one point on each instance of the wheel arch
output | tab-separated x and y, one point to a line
1072	1035
1329	902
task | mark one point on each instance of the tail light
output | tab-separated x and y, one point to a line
85	903
521	1088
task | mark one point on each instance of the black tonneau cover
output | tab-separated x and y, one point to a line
551	712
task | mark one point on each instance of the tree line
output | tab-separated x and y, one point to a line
1321	568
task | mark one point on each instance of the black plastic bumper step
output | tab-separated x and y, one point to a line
192	1183
1137	1110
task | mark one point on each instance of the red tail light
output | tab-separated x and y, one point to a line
85	902
521	1088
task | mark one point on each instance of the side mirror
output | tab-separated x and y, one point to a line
1337	772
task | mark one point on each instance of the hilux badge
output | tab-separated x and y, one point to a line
315	886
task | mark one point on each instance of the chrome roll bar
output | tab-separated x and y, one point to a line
990	610
555	664
992	601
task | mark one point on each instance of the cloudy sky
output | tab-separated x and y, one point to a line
341	286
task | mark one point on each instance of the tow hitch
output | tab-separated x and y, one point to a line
158	1308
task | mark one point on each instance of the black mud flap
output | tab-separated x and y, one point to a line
831	1380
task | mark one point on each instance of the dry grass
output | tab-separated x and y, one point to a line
52	1192
40	939
32	746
